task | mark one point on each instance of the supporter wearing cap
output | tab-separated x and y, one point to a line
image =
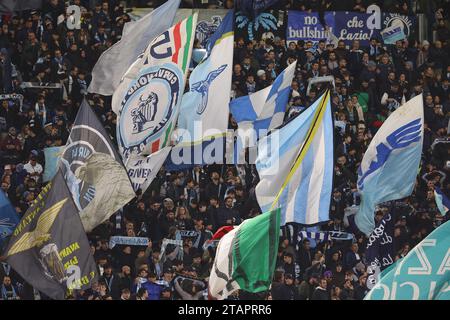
262	79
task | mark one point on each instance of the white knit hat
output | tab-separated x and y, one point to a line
259	73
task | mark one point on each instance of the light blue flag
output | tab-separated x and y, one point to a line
264	109
8	217
389	168
393	34
295	166
52	155
424	274
442	202
204	109
203	118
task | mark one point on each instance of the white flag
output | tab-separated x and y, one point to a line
142	170
113	63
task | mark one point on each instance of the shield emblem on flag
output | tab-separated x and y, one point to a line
149	105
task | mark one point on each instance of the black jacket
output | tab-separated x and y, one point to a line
280	291
224	214
320	294
113	284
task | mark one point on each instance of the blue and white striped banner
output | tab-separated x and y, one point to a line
295	165
265	109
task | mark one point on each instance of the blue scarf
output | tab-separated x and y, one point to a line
5	294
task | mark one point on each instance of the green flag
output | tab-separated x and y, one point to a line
246	257
424	274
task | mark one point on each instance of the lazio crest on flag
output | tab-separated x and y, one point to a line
388	169
206	103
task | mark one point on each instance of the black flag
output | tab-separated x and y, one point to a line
93	170
253	8
49	247
8	6
380	248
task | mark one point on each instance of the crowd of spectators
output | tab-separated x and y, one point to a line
371	82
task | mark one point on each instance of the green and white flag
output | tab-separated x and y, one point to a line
424	274
246	257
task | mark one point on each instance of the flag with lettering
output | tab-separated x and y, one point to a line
142	170
389	167
136	35
49	248
93	170
148	98
380	251
423	274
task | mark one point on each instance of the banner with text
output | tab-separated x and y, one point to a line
347	26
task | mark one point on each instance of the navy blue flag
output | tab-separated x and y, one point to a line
8	217
253	7
380	249
8	6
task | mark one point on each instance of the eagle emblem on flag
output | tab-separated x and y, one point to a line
202	87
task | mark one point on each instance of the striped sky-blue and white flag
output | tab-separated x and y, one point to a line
264	109
295	165
442	202
389	168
